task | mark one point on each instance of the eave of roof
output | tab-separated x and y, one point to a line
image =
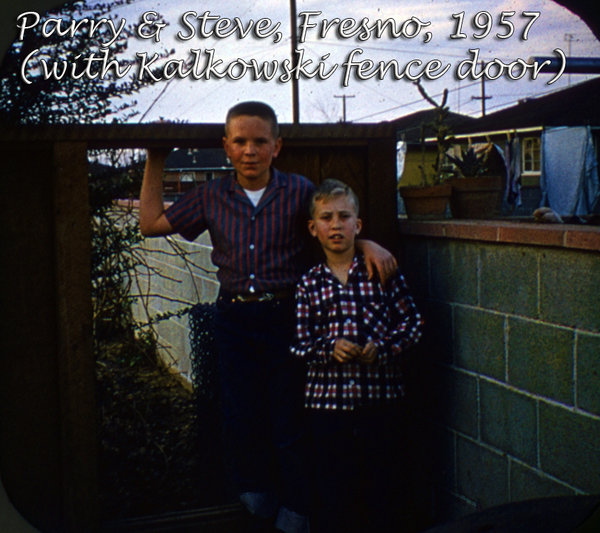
408	128
575	106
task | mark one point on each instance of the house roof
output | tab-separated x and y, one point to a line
578	105
98	169
408	128
199	158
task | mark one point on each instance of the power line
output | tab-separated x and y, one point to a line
483	97
413	102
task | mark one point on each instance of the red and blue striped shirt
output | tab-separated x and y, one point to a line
260	248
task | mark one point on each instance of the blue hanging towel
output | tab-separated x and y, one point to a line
569	178
512	161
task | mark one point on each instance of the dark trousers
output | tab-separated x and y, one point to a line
360	475
261	395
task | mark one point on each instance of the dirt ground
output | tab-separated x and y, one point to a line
159	446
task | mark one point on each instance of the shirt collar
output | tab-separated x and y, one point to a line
278	179
354	270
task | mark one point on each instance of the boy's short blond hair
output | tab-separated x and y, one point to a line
329	189
254	109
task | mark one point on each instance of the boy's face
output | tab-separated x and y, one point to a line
250	145
335	224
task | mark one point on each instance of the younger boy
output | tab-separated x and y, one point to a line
352	332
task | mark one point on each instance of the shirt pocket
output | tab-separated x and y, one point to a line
341	320
375	321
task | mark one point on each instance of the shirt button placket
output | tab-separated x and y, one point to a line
252	259
251	246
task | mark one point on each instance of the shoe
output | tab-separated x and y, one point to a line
257	524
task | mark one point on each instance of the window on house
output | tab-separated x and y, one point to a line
530	150
188	177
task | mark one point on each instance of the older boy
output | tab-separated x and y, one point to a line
352	332
256	219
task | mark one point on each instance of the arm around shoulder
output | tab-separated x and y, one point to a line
377	259
153	221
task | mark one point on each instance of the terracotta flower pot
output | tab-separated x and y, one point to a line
425	203
479	197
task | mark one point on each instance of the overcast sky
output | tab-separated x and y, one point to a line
367	100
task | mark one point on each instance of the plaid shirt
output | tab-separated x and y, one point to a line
360	311
260	248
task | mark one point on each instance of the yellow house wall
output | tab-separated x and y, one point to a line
414	159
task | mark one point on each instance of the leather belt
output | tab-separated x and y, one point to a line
247	297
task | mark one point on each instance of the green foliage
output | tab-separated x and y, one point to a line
69	99
471	163
119	261
444	138
115	236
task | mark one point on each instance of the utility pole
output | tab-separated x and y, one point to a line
483	97
343	97
295	90
569	37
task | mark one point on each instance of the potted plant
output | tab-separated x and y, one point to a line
475	193
471	163
430	199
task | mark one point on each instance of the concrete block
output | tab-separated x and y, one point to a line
210	291
434	454
414	263
161	273
182	284
455	396
569	288
508	421
174	344
453	271
177	252
570	446
588	372
527	483
482	474
203	239
446	457
450	506
540	359
190	289
437	334
200	260
479	341
508	281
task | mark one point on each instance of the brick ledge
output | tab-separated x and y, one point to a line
502	231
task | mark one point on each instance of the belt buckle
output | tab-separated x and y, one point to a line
266	297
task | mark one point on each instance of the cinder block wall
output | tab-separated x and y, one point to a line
176	282
506	388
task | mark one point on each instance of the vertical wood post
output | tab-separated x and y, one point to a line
382	208
76	378
48	449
